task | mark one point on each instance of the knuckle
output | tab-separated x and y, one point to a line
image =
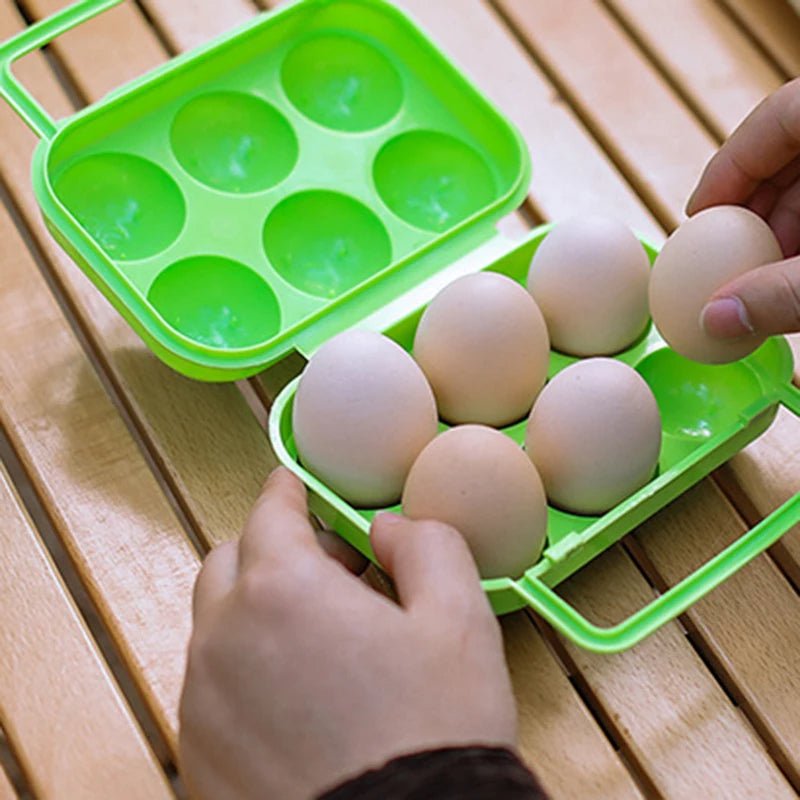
791	284
256	586
266	587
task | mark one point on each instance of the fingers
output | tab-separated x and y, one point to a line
765	143
342	552
216	578
764	301
430	562
784	220
278	527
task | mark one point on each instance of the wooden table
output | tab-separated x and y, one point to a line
119	474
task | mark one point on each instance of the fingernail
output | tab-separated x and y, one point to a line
389	518
726	318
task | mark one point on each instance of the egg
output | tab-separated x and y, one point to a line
362	413
589	277
594	435
483	344
702	255
479	481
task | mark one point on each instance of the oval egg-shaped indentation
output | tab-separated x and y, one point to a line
234	142
324	243
432	180
216	301
697	401
342	83
131	207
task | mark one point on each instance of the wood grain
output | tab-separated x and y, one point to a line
768	473
749	627
700	49
117	44
668	710
775	25
109	510
43	695
193	430
559	739
631	109
188	23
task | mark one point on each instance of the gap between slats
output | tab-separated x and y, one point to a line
13	782
88	610
105	375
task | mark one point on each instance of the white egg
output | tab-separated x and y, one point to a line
594	435
589	277
702	255
483	345
362	413
480	482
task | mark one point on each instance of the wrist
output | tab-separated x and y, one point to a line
476	773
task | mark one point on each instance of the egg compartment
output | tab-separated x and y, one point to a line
708	414
279	183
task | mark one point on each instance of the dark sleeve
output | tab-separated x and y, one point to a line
459	773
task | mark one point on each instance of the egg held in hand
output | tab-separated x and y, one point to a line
480	482
594	435
589	277
483	344
362	413
701	256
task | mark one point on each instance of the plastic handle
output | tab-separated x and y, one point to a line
32	38
567	620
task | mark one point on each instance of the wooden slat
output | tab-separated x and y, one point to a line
672	715
188	23
768	471
194	429
749	626
705	53
558	738
633	111
50	665
775	25
117	44
118	526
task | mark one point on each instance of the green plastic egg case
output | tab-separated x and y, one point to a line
324	167
272	188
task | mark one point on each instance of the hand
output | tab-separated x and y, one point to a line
300	676
759	167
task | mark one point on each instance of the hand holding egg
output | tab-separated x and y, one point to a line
759	168
702	255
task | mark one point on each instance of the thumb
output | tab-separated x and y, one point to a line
762	302
429	561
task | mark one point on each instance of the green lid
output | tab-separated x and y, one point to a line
269	190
